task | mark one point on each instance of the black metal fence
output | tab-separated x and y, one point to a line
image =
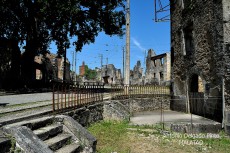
70	96
196	103
209	107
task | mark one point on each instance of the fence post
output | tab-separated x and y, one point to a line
53	96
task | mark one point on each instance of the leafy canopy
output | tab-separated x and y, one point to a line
38	22
89	73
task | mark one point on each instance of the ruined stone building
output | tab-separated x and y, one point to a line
136	77
200	55
110	74
158	69
50	67
82	69
45	68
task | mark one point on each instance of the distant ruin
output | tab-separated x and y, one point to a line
136	76
110	74
158	69
51	67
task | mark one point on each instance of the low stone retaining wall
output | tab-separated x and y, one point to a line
88	114
107	110
196	128
146	104
117	109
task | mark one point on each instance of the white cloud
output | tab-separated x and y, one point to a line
138	45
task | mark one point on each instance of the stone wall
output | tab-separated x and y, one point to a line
158	68
110	74
149	74
88	114
136	75
107	110
226	34
199	36
146	104
117	109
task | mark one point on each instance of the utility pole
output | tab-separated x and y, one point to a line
64	69
73	65
127	56
106	66
101	56
75	68
123	63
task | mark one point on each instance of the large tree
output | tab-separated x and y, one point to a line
38	22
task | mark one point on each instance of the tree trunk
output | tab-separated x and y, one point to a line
28	65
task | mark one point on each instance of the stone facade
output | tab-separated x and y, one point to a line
110	74
146	104
117	109
136	77
158	69
82	69
107	110
50	67
200	53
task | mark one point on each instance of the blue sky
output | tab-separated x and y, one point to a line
144	34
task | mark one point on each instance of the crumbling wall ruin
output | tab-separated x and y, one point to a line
136	77
200	40
158	69
110	74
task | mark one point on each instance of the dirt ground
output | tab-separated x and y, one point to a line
154	143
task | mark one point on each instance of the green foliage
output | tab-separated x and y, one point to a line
14	148
90	74
38	22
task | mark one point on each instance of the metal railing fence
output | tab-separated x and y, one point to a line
71	96
139	91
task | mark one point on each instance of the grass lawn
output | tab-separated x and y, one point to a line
120	137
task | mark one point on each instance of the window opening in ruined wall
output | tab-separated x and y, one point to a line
162	61
161	76
187	40
38	74
154	63
200	85
183	42
196	84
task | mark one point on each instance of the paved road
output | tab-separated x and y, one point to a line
25	98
